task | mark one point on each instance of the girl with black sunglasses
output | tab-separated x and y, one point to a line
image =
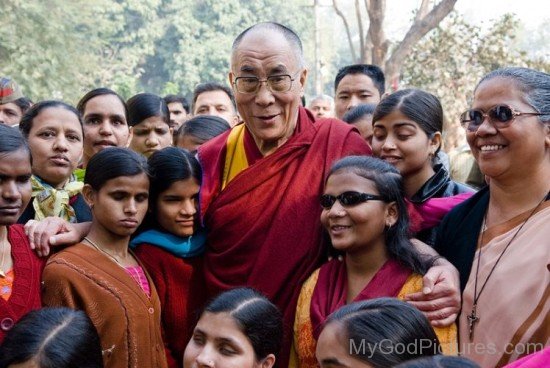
365	215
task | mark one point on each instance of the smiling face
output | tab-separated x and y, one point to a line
219	342
150	136
120	205
104	125
402	142
55	140
176	207
353	90
332	352
269	116
15	185
360	227
521	147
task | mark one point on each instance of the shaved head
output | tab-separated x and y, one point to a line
287	33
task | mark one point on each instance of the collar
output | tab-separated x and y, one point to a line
433	186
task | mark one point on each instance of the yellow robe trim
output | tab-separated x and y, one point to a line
235	157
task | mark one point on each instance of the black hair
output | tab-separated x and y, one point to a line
389	183
259	319
439	361
203	127
167	166
11	140
372	71
81	106
24	103
420	106
176	98
54	338
384	332
358	113
210	87
26	121
145	105
292	38
113	162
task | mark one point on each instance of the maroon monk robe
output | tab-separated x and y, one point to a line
264	228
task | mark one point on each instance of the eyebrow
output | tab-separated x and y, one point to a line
98	115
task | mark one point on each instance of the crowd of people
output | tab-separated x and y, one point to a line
246	230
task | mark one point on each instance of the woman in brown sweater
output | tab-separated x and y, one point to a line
100	275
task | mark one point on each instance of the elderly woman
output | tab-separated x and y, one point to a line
498	239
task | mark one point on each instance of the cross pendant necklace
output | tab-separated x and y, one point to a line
472	320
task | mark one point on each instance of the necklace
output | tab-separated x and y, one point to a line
473	317
104	252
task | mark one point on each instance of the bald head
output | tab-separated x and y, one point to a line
262	28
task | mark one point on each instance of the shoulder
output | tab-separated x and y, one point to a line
473	204
454	188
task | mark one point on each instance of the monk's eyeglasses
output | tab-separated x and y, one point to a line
500	116
275	83
348	199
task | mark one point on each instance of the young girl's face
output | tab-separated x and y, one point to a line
333	349
402	142
121	203
15	185
354	228
176	207
55	140
219	342
151	135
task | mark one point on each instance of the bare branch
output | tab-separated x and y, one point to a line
346	26
377	10
361	34
423	10
418	30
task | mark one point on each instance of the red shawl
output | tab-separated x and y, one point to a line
331	290
263	228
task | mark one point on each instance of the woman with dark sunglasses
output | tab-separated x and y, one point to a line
407	129
498	239
366	217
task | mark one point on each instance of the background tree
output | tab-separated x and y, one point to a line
374	46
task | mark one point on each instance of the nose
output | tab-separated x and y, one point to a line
105	128
61	143
206	357
486	128
131	207
10	191
152	140
264	96
388	144
337	210
353	102
189	208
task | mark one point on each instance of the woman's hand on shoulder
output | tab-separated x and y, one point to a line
54	231
439	299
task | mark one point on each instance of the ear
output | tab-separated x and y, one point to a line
303	79
130	136
89	195
232	80
268	361
547	130
435	143
392	214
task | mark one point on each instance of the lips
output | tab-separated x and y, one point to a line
130	223
10	210
490	147
60	160
105	143
338	229
390	159
267	118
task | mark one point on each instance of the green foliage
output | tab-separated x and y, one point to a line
453	57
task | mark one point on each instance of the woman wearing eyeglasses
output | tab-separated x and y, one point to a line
366	217
498	239
407	129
